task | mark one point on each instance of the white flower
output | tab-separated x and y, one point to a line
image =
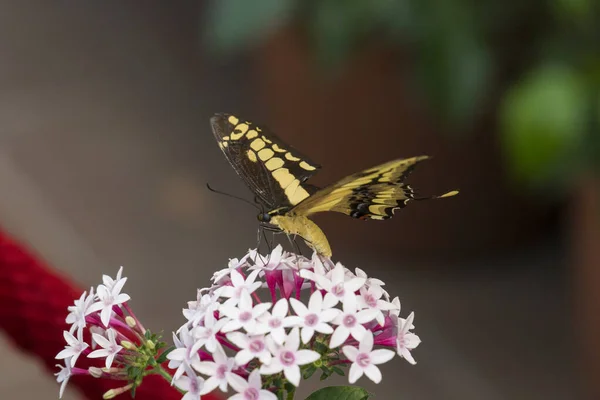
270	262
395	311
99	330
244	315
276	322
288	358
234	263
185	354
108	298
368	281
249	390
336	283
314	318
63	376
365	359
371	298
110	348
349	322
190	383
238	286
206	334
110	282
197	309
406	341
217	370
254	346
80	310
75	346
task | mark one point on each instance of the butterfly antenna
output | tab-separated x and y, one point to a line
233	196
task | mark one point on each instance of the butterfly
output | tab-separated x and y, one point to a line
277	173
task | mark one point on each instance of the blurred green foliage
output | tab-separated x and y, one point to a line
536	62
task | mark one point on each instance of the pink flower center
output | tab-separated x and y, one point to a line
274	323
370	300
245	316
338	290
311	320
349	321
251	394
221	370
256	346
363	360
287	358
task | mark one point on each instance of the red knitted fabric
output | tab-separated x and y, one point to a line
33	307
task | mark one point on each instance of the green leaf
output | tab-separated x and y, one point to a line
309	371
233	25
340	393
543	121
163	356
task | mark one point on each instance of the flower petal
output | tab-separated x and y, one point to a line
339	336
292	342
298	307
307	333
366	344
306	356
381	356
238	383
280	309
315	303
292	374
355	373
373	373
350	352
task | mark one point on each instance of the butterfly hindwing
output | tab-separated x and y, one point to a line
273	170
374	193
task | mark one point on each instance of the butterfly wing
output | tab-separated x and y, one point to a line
273	170
374	193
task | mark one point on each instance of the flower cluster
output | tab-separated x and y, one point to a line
104	327
253	332
266	323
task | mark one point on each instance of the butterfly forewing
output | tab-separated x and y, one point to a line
273	170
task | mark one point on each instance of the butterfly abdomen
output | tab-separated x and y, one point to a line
305	228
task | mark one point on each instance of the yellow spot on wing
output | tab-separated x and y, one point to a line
290	157
252	134
283	177
274	163
252	156
257	144
239	131
224	144
225	137
233	120
377	209
306	166
295	193
265	154
278	149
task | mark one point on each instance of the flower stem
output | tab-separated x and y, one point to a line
164	373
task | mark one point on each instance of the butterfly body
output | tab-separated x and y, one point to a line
306	229
277	174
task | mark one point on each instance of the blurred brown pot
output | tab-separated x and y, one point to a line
584	229
368	115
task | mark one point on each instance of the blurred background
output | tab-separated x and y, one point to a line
105	150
